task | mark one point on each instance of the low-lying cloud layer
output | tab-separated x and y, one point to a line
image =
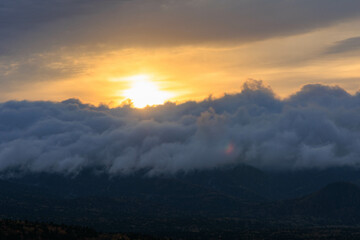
318	127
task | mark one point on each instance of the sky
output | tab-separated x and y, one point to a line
271	84
187	50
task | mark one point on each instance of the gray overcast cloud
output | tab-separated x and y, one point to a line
161	22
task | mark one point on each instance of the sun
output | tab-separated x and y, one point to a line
145	92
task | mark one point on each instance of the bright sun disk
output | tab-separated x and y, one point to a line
144	92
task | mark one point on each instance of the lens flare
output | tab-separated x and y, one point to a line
230	148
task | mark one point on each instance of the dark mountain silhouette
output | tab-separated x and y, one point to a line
215	200
337	201
243	182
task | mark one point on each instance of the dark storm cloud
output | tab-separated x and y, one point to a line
345	46
44	24
318	127
24	15
18	19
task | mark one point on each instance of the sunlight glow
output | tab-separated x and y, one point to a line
145	92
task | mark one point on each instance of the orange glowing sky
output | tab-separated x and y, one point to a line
156	51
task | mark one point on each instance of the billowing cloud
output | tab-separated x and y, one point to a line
318	127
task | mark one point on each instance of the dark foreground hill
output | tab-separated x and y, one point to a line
226	201
339	201
336	204
25	230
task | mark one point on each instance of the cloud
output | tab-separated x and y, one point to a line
345	46
318	127
25	15
45	24
48	41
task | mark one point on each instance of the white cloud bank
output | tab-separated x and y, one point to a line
318	127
